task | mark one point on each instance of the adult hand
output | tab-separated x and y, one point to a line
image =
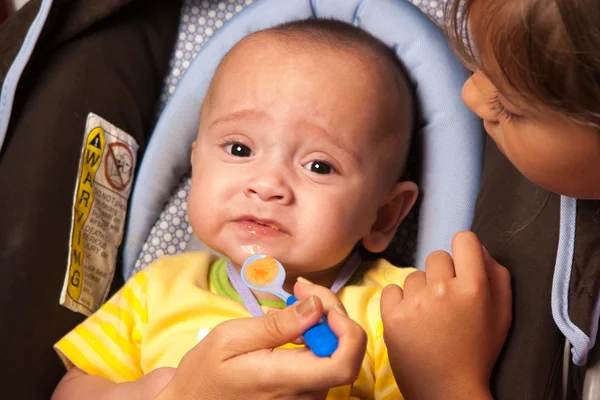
304	288
235	360
445	330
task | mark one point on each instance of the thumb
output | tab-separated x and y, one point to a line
245	335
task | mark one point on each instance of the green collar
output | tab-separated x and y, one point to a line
220	281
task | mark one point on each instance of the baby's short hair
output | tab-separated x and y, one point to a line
339	35
334	33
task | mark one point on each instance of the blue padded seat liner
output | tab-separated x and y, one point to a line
9	86
452	135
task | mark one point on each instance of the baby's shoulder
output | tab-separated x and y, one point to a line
381	273
180	266
362	298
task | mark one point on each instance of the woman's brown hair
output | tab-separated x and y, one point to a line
546	51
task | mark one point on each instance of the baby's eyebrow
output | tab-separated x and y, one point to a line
303	124
240	116
310	125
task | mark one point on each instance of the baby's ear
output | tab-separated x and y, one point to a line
401	198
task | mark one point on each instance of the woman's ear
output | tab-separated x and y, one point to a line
389	216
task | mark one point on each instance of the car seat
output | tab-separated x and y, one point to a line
448	133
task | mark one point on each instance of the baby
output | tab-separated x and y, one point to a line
303	137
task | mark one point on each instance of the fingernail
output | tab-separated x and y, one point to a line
340	310
304	280
307	307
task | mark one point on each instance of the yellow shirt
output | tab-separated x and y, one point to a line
164	310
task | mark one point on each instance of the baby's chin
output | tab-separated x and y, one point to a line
294	266
239	254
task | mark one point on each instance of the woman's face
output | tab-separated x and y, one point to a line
551	151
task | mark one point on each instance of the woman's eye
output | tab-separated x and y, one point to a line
502	111
319	167
238	150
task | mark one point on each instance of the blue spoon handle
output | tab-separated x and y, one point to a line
320	339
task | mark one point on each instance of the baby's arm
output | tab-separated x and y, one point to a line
76	384
105	348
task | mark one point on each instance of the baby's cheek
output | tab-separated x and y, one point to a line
200	213
344	226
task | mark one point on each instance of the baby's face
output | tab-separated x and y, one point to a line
288	161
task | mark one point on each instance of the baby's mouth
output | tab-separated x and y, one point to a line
260	227
272	226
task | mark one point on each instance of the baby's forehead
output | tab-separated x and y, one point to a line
264	50
264	56
261	53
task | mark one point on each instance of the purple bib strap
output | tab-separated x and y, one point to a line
247	297
346	272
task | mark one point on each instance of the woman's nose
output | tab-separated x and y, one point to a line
477	93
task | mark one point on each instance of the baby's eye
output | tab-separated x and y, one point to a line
239	150
319	167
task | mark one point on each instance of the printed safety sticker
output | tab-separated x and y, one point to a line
104	182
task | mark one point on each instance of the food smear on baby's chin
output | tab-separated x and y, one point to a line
253	249
262	271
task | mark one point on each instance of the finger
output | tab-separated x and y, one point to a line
243	335
501	292
298	341
391	297
468	258
312	395
285	366
352	345
303	289
439	266
153	383
487	257
413	283
351	335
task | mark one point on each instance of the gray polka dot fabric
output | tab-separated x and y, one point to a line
433	8
172	230
199	21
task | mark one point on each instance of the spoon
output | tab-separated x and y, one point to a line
266	274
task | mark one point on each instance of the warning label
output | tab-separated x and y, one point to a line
99	207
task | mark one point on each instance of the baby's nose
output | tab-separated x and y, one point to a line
270	189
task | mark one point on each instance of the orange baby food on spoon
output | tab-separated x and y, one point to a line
262	271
